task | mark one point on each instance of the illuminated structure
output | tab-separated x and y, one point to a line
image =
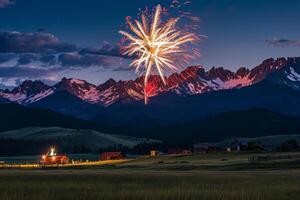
52	158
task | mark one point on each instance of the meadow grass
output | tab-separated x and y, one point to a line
117	185
146	179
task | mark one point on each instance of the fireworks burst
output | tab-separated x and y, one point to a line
156	46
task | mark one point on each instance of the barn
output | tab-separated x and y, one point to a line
112	156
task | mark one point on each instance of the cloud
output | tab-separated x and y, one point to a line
37	42
87	60
283	42
11	83
12	76
9	72
27	58
42	56
106	49
5	57
5	3
48	59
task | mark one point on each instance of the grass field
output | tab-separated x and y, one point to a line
216	176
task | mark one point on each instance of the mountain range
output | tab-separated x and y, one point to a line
190	98
192	80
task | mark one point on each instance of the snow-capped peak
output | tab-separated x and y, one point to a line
192	80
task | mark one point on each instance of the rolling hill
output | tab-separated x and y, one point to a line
14	116
245	123
66	137
252	122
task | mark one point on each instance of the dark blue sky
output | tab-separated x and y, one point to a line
240	32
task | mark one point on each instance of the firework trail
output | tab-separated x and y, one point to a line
155	45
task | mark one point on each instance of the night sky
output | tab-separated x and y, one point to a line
49	39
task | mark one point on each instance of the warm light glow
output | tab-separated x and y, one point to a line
156	45
52	152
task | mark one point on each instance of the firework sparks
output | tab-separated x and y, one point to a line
156	46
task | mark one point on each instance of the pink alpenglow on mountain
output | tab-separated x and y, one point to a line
193	80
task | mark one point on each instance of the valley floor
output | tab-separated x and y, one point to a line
211	177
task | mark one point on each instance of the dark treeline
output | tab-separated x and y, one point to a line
11	147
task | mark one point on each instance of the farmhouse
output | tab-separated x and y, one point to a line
112	156
154	153
51	157
238	145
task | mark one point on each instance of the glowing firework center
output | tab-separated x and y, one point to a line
156	45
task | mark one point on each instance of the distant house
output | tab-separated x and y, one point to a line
154	153
112	156
205	148
179	151
238	145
